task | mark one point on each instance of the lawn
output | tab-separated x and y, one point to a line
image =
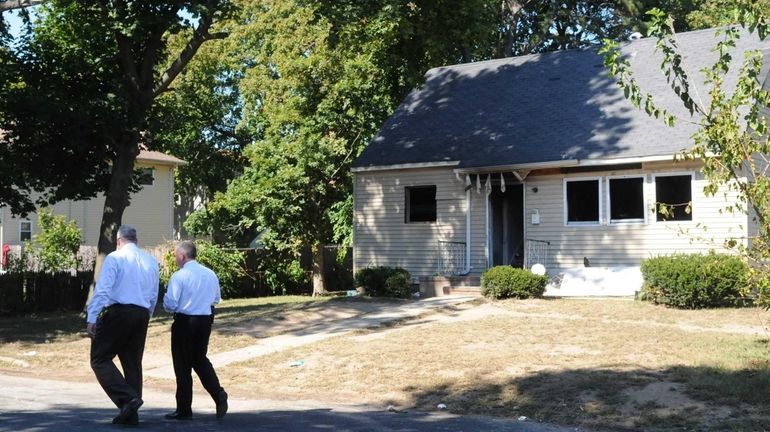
608	364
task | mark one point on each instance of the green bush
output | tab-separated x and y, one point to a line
385	281
695	281
505	281
227	264
55	248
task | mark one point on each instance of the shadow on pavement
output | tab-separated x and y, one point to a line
71	418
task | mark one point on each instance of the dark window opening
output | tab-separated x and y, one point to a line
583	201
627	199
25	231
421	204
145	176
674	198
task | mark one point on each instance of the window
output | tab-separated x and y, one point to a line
583	201
673	192
25	230
145	176
421	204
626	199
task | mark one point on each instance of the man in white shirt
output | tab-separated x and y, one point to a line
118	314
191	295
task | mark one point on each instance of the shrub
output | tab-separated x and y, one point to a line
694	281
55	248
227	264
505	281
385	281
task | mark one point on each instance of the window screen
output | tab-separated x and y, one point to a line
25	231
626	199
421	204
145	176
675	193
583	201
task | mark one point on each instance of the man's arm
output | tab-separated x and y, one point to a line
171	299
105	283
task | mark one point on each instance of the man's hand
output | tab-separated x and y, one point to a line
91	330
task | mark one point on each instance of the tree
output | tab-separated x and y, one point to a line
199	121
74	108
733	127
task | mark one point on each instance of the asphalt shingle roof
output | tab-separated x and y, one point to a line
543	108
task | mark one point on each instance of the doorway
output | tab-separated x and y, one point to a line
506	225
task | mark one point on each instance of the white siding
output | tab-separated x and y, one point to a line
150	212
382	238
610	245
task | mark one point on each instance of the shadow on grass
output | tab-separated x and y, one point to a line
233	317
675	398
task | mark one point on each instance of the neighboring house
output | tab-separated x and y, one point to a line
538	159
151	210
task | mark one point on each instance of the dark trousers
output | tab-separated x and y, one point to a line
120	331
189	345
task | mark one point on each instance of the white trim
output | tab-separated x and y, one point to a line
609	219
565	203
527	166
404	166
31	229
172	204
487	237
467	232
563	164
621	161
152	174
692	195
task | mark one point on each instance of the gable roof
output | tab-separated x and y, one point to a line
553	108
158	158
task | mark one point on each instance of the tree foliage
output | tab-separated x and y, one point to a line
78	90
732	138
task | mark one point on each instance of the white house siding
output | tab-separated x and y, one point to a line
382	238
150	213
626	245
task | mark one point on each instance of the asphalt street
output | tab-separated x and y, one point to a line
31	404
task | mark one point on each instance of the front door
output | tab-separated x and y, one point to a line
506	225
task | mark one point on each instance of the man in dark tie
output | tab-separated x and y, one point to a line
118	314
191	295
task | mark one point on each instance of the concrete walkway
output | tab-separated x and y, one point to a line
333	325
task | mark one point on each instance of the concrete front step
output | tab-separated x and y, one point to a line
436	286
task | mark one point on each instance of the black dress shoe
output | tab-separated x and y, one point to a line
132	420
221	404
177	416
128	412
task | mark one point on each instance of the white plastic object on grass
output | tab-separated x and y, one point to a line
538	269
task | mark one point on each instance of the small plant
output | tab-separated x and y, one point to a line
385	281
55	248
505	281
695	281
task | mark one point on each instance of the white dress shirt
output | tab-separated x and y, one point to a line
192	290
128	276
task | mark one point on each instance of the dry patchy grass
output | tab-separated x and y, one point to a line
608	364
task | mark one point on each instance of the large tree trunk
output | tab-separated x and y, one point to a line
18	4
116	199
319	281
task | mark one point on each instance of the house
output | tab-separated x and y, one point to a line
538	159
151	211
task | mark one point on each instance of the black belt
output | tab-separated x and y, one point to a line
125	305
